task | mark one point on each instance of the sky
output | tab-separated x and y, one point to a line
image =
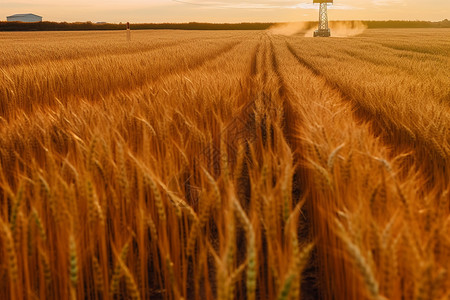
227	11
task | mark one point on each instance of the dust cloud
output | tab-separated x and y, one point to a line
289	29
347	28
338	28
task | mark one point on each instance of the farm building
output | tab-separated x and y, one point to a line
24	18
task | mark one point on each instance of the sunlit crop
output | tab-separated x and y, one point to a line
224	165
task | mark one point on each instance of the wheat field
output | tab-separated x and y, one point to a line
225	165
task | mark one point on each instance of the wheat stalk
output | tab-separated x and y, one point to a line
360	262
157	195
117	273
73	262
332	158
47	268
129	280
16	206
39	224
98	274
251	251
11	255
286	288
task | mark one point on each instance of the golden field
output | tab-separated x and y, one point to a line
225	165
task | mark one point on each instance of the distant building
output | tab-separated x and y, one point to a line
24	18
101	23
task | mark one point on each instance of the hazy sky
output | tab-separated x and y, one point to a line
224	10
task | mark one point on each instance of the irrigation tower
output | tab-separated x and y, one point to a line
323	30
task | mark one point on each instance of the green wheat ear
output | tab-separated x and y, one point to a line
73	262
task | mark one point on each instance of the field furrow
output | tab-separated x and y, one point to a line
74	80
54	46
329	139
426	153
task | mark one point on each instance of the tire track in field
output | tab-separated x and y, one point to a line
259	89
240	122
315	282
319	277
312	281
428	155
302	176
259	84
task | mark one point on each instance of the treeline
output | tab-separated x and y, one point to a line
407	24
54	26
50	26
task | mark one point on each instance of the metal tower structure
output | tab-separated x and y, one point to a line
323	30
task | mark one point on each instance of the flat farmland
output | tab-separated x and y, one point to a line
225	165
